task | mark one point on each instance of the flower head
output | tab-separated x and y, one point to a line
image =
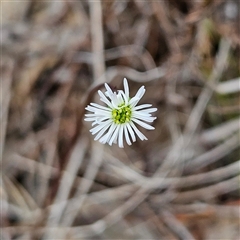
118	119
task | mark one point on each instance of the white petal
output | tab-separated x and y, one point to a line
125	97
150	110
133	101
120	100
115	140
131	132
143	106
146	119
101	107
100	120
90	115
140	92
105	138
120	137
113	130
142	116
114	100
90	119
97	118
104	99
126	88
102	131
115	134
96	110
135	113
127	135
138	95
143	124
109	90
99	127
140	135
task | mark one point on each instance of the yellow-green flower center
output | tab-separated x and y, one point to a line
122	115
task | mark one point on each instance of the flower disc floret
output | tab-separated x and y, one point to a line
122	115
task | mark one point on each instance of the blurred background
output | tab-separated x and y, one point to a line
57	182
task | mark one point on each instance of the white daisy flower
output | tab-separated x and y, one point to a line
118	119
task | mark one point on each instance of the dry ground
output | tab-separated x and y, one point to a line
57	183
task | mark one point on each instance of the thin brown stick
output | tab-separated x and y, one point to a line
5	91
175	226
98	71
